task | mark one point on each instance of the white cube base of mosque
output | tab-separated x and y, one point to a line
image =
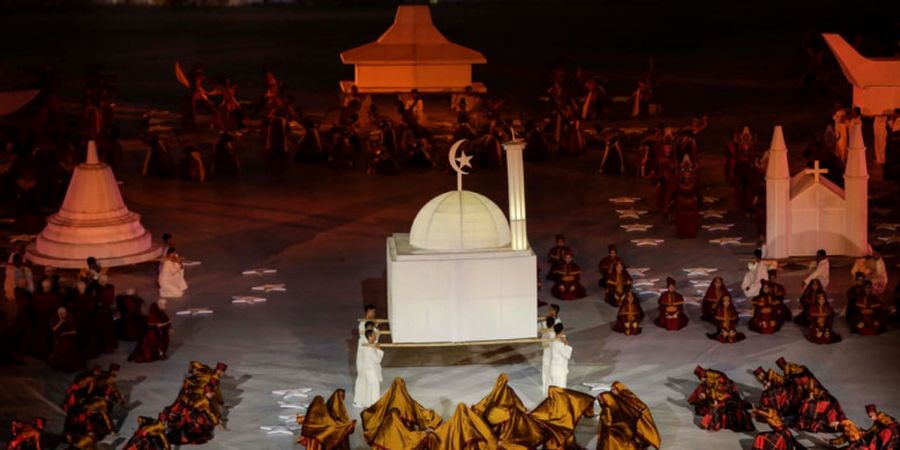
460	296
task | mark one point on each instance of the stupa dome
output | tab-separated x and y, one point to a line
93	221
460	220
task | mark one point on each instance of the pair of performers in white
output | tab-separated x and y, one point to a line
368	363
556	355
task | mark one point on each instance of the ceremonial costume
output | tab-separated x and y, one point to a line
618	284
671	310
821	324
726	318
155	343
629	317
711	299
567	280
625	421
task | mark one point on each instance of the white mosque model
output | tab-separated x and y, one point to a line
462	273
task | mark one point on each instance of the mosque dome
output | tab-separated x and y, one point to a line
460	220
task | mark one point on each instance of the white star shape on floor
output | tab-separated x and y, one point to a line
708	199
892	239
637	271
598	386
247	299
288	405
624	200
21	238
699	271
717	226
646	282
713	213
647	242
887	226
194	312
259	271
271	287
276	429
700	282
636	227
630	213
693	300
293	392
726	241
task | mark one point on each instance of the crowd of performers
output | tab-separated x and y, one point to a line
793	399
93	394
866	314
69	321
499	420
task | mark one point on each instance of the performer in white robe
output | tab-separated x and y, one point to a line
822	270
171	276
364	325
560	354
757	271
369	372
546	329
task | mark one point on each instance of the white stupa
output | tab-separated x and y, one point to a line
463	273
93	221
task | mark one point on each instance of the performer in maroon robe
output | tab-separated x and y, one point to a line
630	315
66	355
711	299
821	322
608	263
687	204
780	438
103	316
726	318
807	300
618	284
780	293
567	280
767	311
556	254
884	434
132	321
853	294
776	395
46	302
155	343
671	309
84	307
225	158
666	178
868	319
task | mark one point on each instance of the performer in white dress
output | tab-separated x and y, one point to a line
757	271
822	270
364	325
546	329
369	372
560	354
171	276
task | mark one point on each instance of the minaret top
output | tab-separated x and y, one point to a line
778	163
92	154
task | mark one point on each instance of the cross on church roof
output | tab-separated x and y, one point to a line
815	171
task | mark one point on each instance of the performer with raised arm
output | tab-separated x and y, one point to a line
369	371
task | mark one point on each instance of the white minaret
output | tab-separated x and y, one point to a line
778	199
515	174
856	194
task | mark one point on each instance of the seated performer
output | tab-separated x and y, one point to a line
776	394
807	300
567	280
608	263
625	421
548	333
710	379
819	410
850	436
884	433
171	276
687	203
780	438
712	298
671	308
155	343
821	322
868	317
630	315
726	409
853	294
618	283
560	354
556	255
369	372
767	311
150	434
780	293
726	318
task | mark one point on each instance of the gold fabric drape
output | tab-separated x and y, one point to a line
625	421
501	396
560	412
411	412
326	426
464	431
395	435
515	430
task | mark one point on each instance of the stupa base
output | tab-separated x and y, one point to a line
151	254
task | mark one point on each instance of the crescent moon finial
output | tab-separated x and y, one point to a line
459	163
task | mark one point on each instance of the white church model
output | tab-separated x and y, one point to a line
807	212
462	273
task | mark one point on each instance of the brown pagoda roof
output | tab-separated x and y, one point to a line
412	39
